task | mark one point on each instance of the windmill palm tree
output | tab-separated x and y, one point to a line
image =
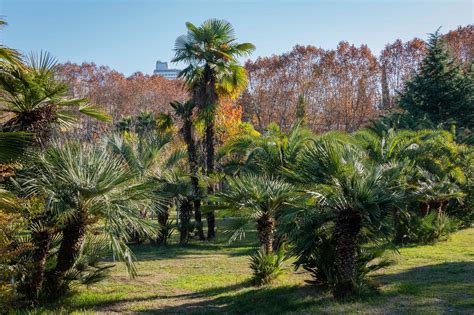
211	52
83	185
33	100
358	191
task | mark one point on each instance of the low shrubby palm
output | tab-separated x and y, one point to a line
434	170
356	193
258	199
175	185
268	153
144	154
265	266
80	187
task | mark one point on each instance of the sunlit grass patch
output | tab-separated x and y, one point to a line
214	277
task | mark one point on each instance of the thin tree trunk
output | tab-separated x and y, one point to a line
346	232
265	228
205	96
385	89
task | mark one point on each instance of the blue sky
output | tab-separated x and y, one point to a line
131	35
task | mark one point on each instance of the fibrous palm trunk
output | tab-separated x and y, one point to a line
346	232
163	217
37	121
42	242
265	230
73	235
211	99
185	211
205	97
192	157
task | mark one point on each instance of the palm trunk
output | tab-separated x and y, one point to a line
192	157
162	238
73	236
346	232
211	221
210	99
265	230
37	121
42	242
198	219
424	208
185	212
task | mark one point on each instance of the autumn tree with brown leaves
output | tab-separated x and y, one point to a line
119	95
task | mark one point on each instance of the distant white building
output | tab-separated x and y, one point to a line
162	69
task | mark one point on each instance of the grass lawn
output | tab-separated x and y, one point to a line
214	277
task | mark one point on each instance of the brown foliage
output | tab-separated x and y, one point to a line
339	87
342	88
400	61
460	43
119	95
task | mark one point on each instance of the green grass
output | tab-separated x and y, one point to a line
205	278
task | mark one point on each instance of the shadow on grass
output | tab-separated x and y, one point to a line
113	305
446	287
146	252
268	300
451	284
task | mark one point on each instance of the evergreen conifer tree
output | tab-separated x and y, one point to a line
441	91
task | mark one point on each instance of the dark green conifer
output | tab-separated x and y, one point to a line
441	91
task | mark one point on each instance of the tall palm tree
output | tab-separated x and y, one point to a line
33	100
259	199
84	185
185	112
358	191
211	52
